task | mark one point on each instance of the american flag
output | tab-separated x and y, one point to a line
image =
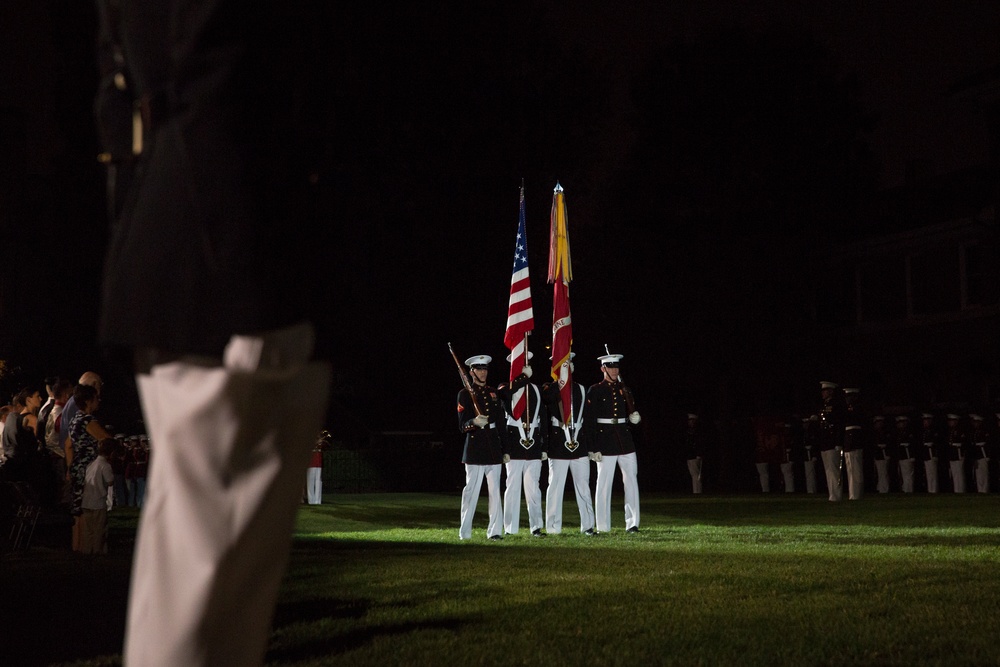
560	274
520	318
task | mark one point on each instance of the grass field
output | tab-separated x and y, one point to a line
777	579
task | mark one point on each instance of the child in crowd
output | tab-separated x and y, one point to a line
94	520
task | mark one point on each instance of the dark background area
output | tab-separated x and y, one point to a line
706	150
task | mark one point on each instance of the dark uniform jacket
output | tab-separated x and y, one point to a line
982	443
905	442
606	403
531	446
832	420
581	440
929	445
855	429
217	233
957	445
483	446
881	444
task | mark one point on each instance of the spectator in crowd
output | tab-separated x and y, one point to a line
141	458
24	459
62	391
90	378
46	408
118	460
85	432
98	479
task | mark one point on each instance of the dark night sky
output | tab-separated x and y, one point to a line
439	118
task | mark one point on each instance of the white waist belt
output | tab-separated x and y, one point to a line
602	420
852	428
517	422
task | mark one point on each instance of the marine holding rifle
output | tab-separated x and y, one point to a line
482	419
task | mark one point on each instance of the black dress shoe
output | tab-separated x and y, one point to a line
496	538
633	529
590	531
537	532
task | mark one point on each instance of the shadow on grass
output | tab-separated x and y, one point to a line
328	647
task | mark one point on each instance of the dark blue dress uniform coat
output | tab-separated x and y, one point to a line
607	400
483	446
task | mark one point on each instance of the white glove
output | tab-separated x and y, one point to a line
545	456
634	417
594	456
481	421
506	458
527	371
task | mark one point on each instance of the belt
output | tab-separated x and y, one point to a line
852	428
614	420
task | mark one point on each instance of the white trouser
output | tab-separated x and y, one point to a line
882	470
470	498
810	468
580	470
831	465
521	473
231	443
314	485
789	475
764	474
982	471
906	470
931	474
694	469
854	462
605	480
957	469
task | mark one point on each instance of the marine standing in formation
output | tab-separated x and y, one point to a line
981	453
881	452
905	450
831	438
929	452
523	455
956	453
855	437
569	445
482	419
610	410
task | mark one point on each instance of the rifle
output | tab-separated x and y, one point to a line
465	382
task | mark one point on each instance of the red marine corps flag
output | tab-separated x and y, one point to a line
560	274
520	317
